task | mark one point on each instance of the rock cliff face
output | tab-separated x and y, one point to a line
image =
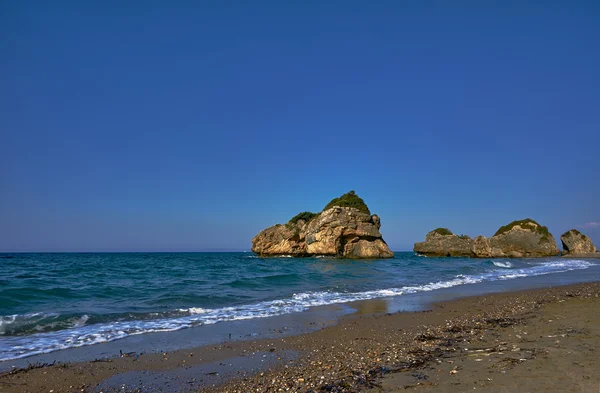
519	239
481	247
338	231
576	243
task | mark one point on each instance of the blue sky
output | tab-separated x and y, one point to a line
191	126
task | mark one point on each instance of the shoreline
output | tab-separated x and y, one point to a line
312	317
364	350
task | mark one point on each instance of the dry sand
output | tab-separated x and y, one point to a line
545	340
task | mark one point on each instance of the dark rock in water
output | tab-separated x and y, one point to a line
441	242
344	229
519	239
576	243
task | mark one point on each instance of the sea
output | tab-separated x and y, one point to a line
52	301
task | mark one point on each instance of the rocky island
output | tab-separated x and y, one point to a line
576	244
344	229
519	239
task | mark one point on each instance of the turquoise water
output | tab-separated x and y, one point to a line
50	302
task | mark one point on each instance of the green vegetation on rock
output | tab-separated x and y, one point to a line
575	232
465	237
527	223
443	231
306	216
349	199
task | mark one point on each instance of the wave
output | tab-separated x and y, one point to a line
11	325
80	333
504	264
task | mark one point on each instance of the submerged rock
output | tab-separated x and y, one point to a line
441	242
344	229
576	243
519	239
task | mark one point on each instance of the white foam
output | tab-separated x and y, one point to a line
505	264
81	320
193	310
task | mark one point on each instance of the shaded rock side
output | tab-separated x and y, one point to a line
575	243
441	242
344	232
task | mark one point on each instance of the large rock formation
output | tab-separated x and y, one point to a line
344	229
577	244
441	242
519	239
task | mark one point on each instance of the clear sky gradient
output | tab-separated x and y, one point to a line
183	126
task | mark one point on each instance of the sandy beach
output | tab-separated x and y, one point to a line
530	341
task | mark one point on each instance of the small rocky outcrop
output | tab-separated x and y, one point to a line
519	239
344	229
576	244
523	239
481	247
441	242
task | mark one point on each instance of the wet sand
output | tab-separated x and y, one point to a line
543	340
